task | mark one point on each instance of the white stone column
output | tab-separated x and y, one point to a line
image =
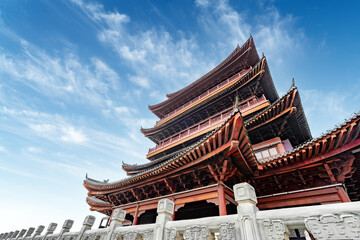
50	230
245	196
117	218
87	224
165	211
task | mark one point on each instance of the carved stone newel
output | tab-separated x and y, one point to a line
245	196
165	210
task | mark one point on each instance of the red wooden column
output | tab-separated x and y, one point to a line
136	217
342	194
221	198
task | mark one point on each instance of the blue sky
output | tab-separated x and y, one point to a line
76	78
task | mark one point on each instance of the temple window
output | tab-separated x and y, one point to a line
271	148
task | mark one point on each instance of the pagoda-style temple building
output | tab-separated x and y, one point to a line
227	127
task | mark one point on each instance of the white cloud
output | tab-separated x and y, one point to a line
122	109
3	149
202	3
277	37
140	81
73	136
325	109
62	77
34	149
60	130
168	61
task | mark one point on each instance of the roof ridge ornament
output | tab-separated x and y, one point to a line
236	104
292	84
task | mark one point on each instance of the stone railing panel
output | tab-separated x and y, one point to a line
275	230
198	233
332	226
227	231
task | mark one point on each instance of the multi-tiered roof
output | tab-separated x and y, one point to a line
226	127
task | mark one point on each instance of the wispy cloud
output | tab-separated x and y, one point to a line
60	130
32	149
325	109
274	34
3	149
63	77
154	55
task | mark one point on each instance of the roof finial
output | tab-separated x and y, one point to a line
250	35
263	55
293	82
86	177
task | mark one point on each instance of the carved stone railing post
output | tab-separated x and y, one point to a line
10	235
87	224
165	210
29	232
245	196
50	230
5	235
66	227
38	231
21	234
117	218
15	234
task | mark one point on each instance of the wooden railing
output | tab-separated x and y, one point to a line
207	123
204	95
337	221
253	103
193	130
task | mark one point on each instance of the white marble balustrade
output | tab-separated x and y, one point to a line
331	221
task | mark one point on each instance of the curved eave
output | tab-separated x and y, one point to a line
246	54
336	141
289	104
224	139
98	205
136	168
261	68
